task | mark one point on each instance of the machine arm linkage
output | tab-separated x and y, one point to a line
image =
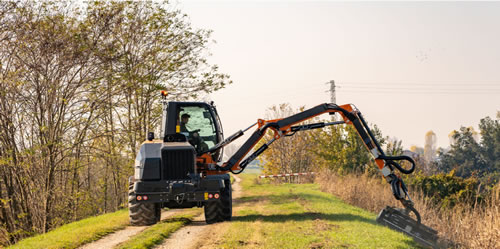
394	218
285	127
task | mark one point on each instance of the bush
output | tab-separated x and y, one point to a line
446	190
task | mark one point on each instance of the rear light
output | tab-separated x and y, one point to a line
139	197
145	197
216	196
210	196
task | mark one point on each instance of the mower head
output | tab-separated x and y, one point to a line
401	221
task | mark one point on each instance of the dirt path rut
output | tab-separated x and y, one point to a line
193	234
120	236
187	237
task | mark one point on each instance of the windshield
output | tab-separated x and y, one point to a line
196	123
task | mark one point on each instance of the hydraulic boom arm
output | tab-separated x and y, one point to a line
394	218
288	126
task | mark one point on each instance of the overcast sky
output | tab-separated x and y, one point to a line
409	67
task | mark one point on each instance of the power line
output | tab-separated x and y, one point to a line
425	83
419	92
418	88
436	87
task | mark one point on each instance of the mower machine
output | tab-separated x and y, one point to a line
184	168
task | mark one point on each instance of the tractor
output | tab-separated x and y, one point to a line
184	167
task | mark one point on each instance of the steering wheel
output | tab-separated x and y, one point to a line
194	138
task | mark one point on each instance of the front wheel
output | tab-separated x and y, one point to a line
142	214
222	209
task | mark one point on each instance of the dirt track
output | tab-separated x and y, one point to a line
186	237
191	235
118	237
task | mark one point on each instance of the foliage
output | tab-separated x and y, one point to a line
394	147
468	157
490	142
288	154
336	147
446	190
340	148
79	94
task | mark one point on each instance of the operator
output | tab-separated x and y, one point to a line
184	120
193	137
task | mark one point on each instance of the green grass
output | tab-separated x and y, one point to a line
267	216
301	216
75	234
156	234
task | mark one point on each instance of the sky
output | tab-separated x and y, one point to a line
409	67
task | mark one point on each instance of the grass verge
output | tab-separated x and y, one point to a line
461	226
75	234
156	234
301	216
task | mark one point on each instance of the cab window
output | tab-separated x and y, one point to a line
197	124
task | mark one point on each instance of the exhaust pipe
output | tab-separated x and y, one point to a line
399	220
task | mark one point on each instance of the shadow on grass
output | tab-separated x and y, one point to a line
313	216
285	198
302	217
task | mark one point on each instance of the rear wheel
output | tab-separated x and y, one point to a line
142	214
222	209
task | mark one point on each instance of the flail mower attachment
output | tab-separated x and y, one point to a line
401	221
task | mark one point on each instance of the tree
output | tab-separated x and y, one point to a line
54	90
394	146
79	93
288	154
465	156
470	156
340	148
490	142
155	49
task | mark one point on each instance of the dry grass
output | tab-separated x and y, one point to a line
467	227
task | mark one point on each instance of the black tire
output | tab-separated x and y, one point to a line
222	209
142	214
227	201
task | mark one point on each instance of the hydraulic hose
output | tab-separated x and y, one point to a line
390	160
370	134
409	207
